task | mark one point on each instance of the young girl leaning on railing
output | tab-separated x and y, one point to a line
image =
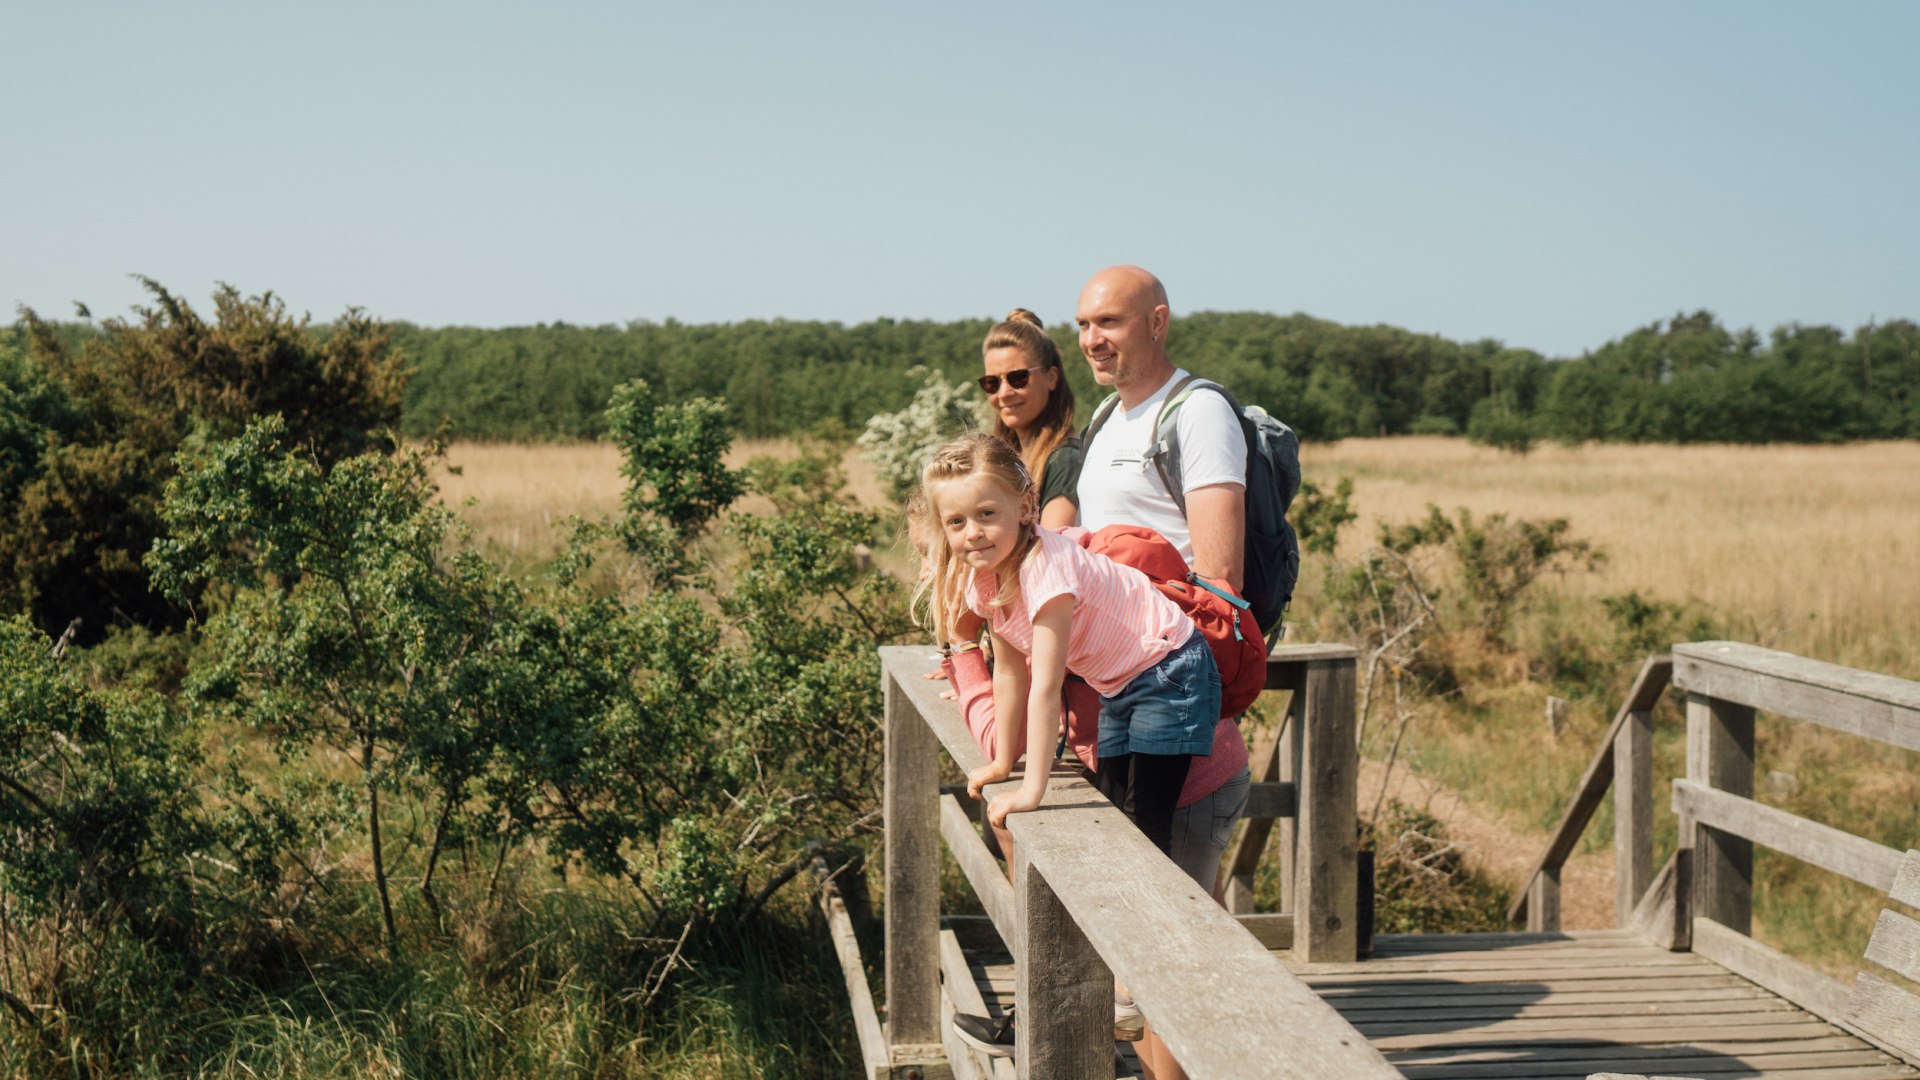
1052	606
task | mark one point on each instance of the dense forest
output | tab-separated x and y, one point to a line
1685	379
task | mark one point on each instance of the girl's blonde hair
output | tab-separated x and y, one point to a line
945	591
1022	330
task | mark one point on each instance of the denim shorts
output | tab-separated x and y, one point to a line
1170	708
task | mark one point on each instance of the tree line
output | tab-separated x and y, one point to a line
1685	379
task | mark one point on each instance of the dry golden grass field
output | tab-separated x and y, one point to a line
1810	549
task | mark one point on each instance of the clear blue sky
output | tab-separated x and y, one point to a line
1551	175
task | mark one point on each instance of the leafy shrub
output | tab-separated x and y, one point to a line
88	434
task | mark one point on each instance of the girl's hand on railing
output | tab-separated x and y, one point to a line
1013	802
991	773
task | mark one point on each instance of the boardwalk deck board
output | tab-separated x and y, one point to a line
1537	1006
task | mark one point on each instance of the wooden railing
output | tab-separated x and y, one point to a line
1624	761
1703	898
1725	682
1092	900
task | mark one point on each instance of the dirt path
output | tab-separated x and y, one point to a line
1502	850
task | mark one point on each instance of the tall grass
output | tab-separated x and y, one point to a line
1809	549
550	982
1804	549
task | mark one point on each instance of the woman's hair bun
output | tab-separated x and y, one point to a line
1021	314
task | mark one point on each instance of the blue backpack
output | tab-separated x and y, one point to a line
1273	479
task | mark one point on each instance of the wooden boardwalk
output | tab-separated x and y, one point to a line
1683	989
1534	1006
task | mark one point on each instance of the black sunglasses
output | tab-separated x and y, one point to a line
1017	378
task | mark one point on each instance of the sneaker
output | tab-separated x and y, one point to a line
1128	1024
992	1037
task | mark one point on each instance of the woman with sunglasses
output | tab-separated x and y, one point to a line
1033	410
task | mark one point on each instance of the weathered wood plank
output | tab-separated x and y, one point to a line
1632	814
1664	915
1287	664
1288	752
981	869
1271	800
1645	1028
1543	900
1496	939
1875	706
1610	1035
1552	1007
1509	976
1243	856
1352	1005
964	995
1768	967
1906	884
1341	988
1064	991
1895	945
912	841
1672	1067
846	947
1565	966
1809	841
1646	690
1273	930
908	665
1326	877
1575	1049
1886	1012
1720	756
1218	998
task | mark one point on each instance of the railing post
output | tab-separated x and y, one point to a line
1061	986
1326	917
1292	724
1720	755
911	799
1632	814
1543	900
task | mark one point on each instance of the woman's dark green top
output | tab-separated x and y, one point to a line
1062	474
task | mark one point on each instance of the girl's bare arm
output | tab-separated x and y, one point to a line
1010	686
1051	624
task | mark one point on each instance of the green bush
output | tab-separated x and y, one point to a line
88	431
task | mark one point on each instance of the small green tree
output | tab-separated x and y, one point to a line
348	629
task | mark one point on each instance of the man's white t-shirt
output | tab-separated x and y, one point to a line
1119	487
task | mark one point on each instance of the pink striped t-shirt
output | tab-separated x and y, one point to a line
1121	624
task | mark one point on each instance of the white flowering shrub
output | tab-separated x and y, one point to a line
900	443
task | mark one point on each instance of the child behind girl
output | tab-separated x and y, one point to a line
1052	607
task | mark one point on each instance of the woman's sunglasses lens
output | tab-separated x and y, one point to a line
1016	379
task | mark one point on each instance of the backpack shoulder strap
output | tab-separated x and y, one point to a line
1100	414
1165	451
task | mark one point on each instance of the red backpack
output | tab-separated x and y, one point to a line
1225	620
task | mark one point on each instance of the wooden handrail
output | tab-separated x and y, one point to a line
1720	821
1864	703
1644	694
1093	896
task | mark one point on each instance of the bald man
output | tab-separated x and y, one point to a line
1123	317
